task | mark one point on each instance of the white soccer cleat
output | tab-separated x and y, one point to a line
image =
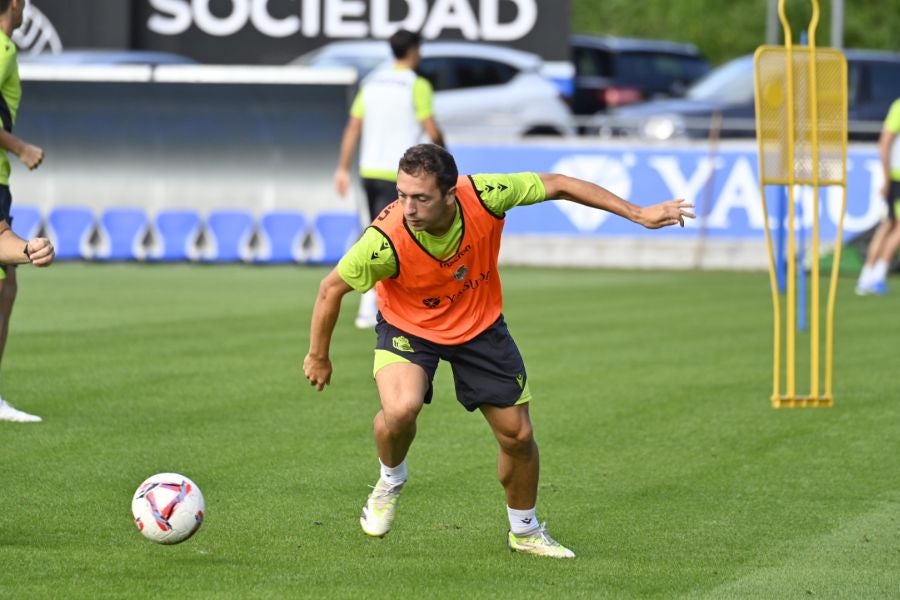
539	543
378	513
12	414
879	288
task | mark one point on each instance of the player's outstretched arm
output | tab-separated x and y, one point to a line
16	251
317	364
670	212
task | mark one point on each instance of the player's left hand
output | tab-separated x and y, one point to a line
40	252
31	156
664	214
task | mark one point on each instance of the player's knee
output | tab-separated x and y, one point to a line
519	441
399	419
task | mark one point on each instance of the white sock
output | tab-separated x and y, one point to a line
865	276
393	475
522	521
879	271
368	305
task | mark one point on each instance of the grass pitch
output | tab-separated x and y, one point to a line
663	465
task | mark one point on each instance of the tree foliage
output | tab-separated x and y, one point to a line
724	30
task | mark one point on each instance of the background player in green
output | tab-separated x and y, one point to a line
31	156
440	298
391	112
886	240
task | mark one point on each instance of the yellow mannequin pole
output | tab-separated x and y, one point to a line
796	149
791	300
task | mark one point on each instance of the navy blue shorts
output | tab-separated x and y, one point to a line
379	193
5	206
893	200
487	369
5	203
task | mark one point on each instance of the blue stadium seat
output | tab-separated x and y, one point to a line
26	220
281	235
227	236
175	233
70	229
332	234
122	231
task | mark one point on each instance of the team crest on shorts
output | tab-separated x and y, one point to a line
402	344
460	273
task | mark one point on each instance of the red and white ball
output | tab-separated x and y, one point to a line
168	508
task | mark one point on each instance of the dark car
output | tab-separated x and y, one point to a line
723	101
613	71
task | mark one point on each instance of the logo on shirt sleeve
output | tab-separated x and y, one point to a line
490	188
384	246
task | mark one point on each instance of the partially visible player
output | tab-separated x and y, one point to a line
433	256
884	244
13	250
391	112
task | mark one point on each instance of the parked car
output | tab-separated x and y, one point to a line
614	71
362	55
873	79
479	89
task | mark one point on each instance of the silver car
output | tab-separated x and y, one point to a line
481	90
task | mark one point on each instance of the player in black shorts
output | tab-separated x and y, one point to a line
392	110
13	249
886	240
434	256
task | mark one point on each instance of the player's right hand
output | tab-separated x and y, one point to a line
317	371
31	156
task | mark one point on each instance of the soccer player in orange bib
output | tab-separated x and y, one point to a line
432	255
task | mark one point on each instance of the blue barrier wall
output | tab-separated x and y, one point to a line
265	147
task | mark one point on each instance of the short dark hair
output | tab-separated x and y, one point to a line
402	42
4	5
433	160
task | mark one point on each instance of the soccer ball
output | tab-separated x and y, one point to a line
168	508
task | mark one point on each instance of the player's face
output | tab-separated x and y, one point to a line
425	208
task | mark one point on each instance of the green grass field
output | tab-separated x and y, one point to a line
663	465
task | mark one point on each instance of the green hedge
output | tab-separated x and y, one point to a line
724	30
